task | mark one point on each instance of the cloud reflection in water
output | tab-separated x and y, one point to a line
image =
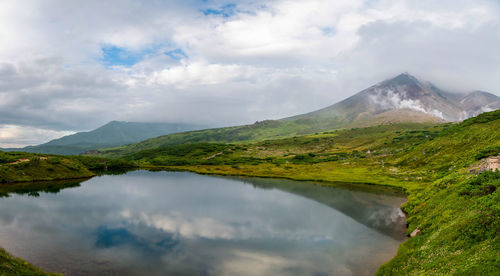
182	223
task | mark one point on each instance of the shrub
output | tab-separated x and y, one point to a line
489	151
54	160
484	184
299	157
6	158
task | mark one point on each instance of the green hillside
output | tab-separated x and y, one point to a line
16	167
260	131
112	134
453	199
10	265
21	166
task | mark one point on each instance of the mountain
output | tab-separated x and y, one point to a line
478	102
402	99
112	134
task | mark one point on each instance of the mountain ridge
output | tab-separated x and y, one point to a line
402	99
407	92
112	134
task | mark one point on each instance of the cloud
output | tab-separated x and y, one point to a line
12	136
191	228
74	65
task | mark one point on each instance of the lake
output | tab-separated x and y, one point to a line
179	223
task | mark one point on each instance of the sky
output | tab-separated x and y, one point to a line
68	66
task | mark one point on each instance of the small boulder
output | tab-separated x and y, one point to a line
415	232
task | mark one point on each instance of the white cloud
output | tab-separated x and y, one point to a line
240	261
191	228
269	59
196	73
12	136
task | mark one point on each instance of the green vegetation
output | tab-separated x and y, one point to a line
22	167
459	220
28	167
453	198
100	164
10	265
259	131
489	151
354	155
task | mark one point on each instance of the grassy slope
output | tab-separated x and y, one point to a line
457	212
257	131
28	167
10	265
21	167
240	134
329	156
459	220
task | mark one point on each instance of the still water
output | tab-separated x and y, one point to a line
176	223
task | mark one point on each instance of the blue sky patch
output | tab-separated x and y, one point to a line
176	54
328	30
118	56
227	10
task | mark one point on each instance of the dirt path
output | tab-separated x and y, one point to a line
22	160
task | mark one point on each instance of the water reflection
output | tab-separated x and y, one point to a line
370	205
35	188
146	223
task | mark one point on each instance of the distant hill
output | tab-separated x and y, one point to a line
112	134
402	99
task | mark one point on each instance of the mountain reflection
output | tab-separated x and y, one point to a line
181	223
377	208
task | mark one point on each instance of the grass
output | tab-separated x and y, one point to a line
359	155
10	265
29	167
23	167
260	131
459	220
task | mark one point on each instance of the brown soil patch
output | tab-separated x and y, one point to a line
19	161
493	163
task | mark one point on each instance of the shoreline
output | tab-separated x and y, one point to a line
402	188
326	183
45	180
410	190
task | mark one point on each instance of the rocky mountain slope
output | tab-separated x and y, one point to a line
404	98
